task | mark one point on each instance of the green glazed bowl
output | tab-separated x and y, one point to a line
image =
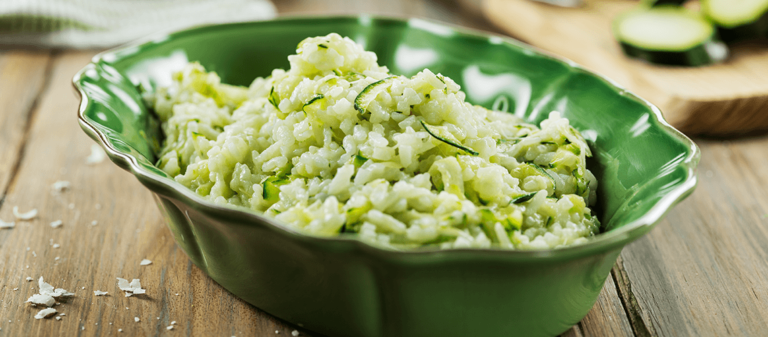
343	287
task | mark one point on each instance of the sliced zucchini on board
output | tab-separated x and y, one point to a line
663	2
738	20
669	35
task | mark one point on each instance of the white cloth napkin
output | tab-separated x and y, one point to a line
105	23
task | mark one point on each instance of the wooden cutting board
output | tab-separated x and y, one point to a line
721	100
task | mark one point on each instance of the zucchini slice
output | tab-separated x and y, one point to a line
544	172
359	160
313	105
738	20
510	218
581	185
669	35
446	137
274	98
523	198
369	93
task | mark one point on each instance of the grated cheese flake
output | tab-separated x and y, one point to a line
99	293
56	245
45	313
60	186
97	155
57	224
24	216
42	299
136	319
29	279
145	262
132	288
47	289
170	327
8	225
295	333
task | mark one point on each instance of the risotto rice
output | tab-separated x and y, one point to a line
337	144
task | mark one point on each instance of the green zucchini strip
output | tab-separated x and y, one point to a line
360	106
523	198
318	97
459	146
273	98
543	171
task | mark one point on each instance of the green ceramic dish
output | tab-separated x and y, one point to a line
344	287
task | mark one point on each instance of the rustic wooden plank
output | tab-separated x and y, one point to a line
723	99
22	77
574	331
608	317
702	271
634	314
129	229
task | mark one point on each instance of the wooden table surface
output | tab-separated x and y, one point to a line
701	272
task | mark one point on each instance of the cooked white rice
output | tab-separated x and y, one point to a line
306	147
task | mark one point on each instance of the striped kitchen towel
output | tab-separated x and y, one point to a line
105	23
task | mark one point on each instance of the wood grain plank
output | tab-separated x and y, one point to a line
723	99
23	75
574	331
608	317
640	325
702	271
90	258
